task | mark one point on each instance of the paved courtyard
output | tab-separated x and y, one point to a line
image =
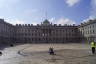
38	54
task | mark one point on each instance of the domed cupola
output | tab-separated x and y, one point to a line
46	22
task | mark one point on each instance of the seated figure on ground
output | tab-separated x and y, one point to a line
51	51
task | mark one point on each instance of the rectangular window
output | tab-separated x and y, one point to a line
93	31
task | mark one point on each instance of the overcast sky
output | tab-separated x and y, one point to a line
56	11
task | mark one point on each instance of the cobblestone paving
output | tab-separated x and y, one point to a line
38	54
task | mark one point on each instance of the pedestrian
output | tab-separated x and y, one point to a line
51	51
93	45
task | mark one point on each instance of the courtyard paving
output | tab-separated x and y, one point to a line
70	53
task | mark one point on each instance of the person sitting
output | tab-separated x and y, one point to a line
51	51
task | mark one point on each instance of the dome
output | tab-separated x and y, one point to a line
46	22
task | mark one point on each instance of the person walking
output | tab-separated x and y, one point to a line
93	45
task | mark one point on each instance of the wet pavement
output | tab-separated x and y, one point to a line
38	54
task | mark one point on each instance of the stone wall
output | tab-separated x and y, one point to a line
88	30
6	32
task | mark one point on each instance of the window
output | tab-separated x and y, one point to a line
90	31
93	31
93	26
90	27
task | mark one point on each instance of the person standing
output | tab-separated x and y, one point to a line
93	45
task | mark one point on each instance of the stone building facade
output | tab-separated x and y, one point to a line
46	32
88	30
6	32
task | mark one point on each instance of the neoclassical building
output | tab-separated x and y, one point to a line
7	32
88	30
46	32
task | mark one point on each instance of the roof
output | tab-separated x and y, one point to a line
46	22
